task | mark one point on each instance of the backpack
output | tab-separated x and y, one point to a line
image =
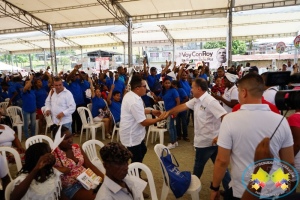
157	86
179	182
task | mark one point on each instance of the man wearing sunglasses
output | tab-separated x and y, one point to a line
133	119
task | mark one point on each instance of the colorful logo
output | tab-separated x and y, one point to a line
272	184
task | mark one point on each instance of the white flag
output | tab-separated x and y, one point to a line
58	139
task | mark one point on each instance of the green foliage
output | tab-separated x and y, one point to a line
238	47
64	60
66	52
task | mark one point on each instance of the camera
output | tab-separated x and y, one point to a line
285	99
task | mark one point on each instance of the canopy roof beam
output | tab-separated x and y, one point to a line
273	4
167	33
27	43
116	10
115	38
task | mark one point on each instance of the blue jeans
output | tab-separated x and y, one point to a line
202	156
190	112
181	121
32	117
72	190
172	130
69	126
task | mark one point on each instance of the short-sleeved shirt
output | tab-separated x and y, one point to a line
45	85
3	167
76	90
7	136
263	101
169	98
11	93
4	95
132	132
151	80
41	96
119	86
29	101
231	94
186	86
207	119
97	103
243	130
115	109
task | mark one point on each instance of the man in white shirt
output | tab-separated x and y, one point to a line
207	114
60	104
117	184
289	67
133	119
270	91
242	131
4	177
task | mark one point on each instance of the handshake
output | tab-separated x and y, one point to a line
161	115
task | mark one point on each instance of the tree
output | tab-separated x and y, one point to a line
64	60
238	47
214	45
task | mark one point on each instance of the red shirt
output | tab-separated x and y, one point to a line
263	101
215	89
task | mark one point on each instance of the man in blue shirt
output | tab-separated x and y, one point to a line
114	104
153	77
76	86
122	76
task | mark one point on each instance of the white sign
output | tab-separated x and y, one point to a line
213	58
104	62
297	42
280	47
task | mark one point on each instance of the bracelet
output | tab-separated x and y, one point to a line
214	188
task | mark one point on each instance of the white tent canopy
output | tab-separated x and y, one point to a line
90	26
6	67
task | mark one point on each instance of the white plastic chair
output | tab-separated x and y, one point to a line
155	130
89	106
14	112
161	105
89	147
48	119
195	185
8	190
4	106
133	170
89	126
38	139
16	155
115	129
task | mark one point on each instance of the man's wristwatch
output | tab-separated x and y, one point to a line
151	112
214	188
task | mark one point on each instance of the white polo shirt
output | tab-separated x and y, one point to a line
207	119
231	94
269	94
243	130
132	132
62	102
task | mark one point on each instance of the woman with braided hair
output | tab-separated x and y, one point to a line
116	184
37	179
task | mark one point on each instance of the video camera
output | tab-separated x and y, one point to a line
284	99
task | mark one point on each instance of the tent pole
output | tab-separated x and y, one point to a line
129	42
124	53
11	62
52	48
173	52
30	61
229	44
45	59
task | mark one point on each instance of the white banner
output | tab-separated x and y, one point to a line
213	58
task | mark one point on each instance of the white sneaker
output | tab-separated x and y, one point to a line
176	144
171	146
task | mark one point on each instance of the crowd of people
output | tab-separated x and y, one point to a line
232	110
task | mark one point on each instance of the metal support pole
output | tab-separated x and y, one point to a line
52	49
174	51
129	42
296	51
124	54
229	40
11	62
30	61
45	59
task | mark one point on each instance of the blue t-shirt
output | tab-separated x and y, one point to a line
115	109
29	101
182	95
186	86
11	91
204	76
122	78
41	96
45	85
169	98
151	80
97	103
10	83
146	100
76	90
119	86
4	96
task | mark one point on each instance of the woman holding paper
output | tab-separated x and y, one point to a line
37	180
72	161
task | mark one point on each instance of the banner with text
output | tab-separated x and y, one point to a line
213	58
104	62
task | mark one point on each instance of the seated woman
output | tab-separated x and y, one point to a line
72	161
37	179
9	138
117	185
97	104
